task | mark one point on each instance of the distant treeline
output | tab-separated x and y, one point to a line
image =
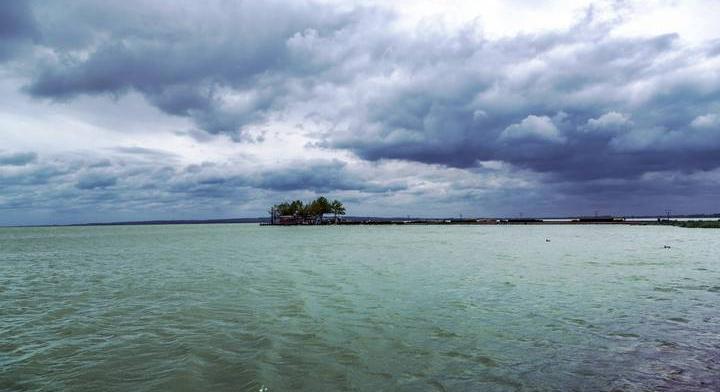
173	222
698	224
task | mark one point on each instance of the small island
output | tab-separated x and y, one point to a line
312	213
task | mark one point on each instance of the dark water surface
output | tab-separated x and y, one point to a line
420	308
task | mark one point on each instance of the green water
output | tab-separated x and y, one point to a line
419	308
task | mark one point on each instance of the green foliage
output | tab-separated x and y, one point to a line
290	208
319	207
315	209
337	208
698	224
297	207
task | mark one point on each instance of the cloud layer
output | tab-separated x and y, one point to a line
292	99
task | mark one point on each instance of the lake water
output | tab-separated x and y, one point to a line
359	308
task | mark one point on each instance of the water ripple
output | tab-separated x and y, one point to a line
245	308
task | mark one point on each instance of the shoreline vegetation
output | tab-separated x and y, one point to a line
298	213
313	213
499	222
702	224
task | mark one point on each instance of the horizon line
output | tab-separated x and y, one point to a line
407	217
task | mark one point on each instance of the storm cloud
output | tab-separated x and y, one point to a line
17	28
223	64
326	97
559	103
17	158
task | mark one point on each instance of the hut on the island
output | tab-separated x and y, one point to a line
277	219
288	220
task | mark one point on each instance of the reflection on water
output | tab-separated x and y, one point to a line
249	308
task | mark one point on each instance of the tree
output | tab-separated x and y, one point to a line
282	208
297	207
337	208
294	208
304	211
320	207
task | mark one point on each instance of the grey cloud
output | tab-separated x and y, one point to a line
321	176
95	181
17	27
17	158
142	151
30	176
435	97
16	20
612	96
317	176
224	75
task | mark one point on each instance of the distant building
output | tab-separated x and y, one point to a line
287	220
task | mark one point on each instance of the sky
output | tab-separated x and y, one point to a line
147	109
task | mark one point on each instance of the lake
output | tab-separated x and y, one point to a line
359	308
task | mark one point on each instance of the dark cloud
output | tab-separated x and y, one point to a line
17	158
95	181
147	152
317	176
223	65
16	20
578	105
30	176
17	27
572	103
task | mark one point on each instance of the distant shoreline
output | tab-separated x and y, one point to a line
678	223
156	222
709	221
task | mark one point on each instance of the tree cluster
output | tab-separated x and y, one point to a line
312	211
